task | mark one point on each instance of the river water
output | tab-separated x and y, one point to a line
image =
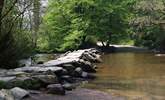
136	76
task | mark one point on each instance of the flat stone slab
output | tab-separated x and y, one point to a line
68	58
60	61
7	78
39	69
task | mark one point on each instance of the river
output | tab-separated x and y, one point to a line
137	76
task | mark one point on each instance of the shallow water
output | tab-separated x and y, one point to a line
138	76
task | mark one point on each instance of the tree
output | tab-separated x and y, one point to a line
1	8
149	23
71	23
36	20
14	40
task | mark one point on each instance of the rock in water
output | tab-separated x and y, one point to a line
66	78
19	93
88	75
47	79
56	89
6	95
87	66
98	59
2	96
69	86
84	74
69	67
78	71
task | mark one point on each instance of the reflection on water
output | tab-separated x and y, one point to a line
132	74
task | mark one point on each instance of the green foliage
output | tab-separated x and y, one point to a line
68	24
149	24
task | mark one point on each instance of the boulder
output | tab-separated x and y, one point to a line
68	86
94	50
46	79
87	66
88	57
19	93
98	59
78	70
56	89
66	78
2	96
26	82
84	74
88	75
64	72
69	67
6	95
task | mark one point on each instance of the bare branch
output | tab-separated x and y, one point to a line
9	10
12	25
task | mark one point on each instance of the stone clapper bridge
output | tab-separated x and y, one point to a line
55	76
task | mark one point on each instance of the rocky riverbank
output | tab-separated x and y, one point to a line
56	76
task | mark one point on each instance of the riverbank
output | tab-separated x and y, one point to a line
122	48
129	48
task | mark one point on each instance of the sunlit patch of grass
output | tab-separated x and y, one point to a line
128	42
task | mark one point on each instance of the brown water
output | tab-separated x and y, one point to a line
137	76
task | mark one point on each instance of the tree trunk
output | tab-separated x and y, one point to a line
109	40
36	20
1	9
102	43
108	43
83	38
